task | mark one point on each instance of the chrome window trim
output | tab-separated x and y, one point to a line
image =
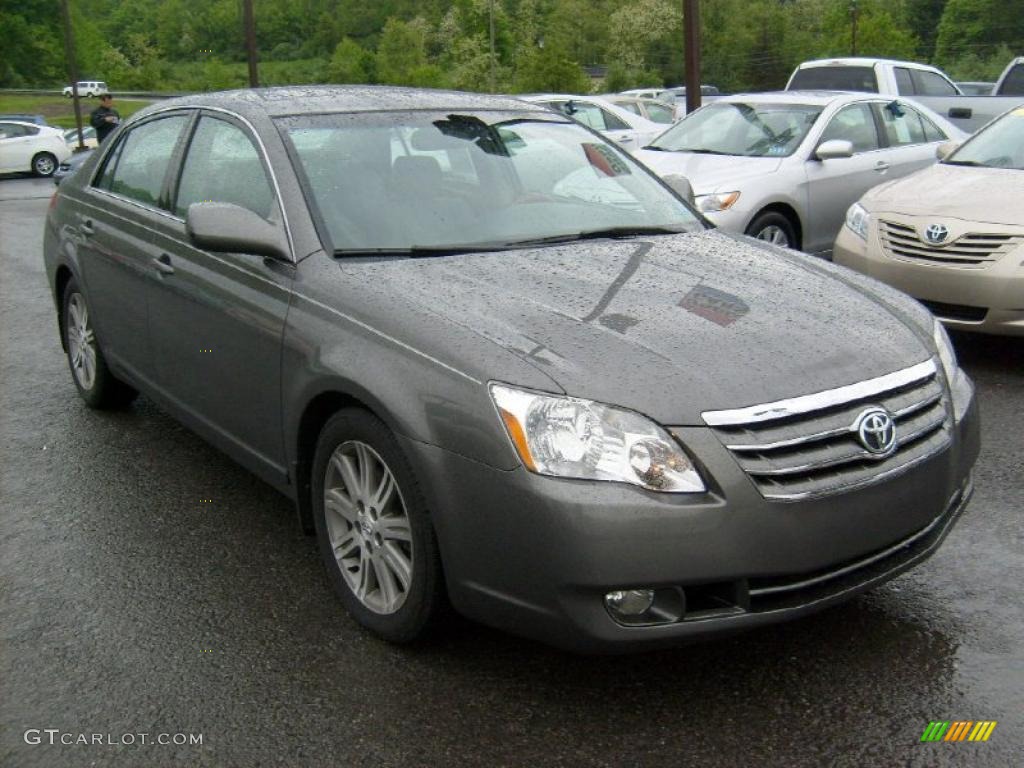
262	149
820	400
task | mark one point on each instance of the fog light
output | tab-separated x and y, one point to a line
629	602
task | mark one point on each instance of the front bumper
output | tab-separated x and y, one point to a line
989	300
535	555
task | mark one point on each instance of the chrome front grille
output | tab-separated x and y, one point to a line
973	250
809	446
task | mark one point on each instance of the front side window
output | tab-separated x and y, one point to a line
746	129
854	124
1013	85
401	181
223	166
902	125
931	84
143	158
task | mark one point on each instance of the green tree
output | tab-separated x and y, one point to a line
350	63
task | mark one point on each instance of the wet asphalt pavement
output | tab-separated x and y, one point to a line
150	585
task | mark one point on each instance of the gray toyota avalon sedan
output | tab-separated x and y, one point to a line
495	362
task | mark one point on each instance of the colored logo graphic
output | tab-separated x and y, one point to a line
960	730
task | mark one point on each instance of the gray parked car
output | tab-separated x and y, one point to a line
578	415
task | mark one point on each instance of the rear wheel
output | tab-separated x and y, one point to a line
373	529
44	164
772	227
98	387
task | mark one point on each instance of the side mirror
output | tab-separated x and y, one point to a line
834	148
229	228
946	148
682	185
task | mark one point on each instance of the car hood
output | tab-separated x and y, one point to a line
989	195
668	326
708	173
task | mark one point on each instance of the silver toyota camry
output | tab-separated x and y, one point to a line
785	167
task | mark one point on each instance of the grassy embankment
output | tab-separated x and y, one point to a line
59	111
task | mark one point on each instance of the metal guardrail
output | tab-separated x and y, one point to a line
117	94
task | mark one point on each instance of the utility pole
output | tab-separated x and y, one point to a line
72	65
490	8
249	22
691	39
854	12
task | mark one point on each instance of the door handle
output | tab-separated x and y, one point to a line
881	166
163	264
87	228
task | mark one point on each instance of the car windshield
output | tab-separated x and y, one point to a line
740	128
1001	145
419	180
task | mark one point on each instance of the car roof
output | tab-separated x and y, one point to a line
863	61
28	123
321	99
818	98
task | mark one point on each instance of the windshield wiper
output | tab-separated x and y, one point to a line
656	149
599	234
706	152
968	163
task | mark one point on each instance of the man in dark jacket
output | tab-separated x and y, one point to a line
104	118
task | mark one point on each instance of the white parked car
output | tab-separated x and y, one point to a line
88	88
620	125
785	167
29	147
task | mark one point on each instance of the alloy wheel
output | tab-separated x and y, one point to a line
368	527
775	235
81	342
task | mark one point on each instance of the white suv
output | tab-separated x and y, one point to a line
88	88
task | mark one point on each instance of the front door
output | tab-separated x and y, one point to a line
217	319
834	185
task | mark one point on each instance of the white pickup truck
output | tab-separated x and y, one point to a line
925	84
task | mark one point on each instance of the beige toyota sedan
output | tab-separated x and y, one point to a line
952	235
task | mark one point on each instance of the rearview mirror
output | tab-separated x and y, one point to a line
946	148
229	228
833	149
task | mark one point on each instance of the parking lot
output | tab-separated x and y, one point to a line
150	585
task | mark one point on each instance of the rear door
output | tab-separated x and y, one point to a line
217	319
834	185
116	220
909	136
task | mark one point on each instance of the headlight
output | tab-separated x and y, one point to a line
947	354
720	201
569	437
857	220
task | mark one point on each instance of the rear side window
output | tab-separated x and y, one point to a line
902	125
143	157
904	82
835	79
930	84
855	125
1013	85
223	166
15	131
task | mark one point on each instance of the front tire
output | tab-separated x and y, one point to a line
44	164
772	227
373	528
96	385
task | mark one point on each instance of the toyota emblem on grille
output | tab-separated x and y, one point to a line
876	431
936	233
